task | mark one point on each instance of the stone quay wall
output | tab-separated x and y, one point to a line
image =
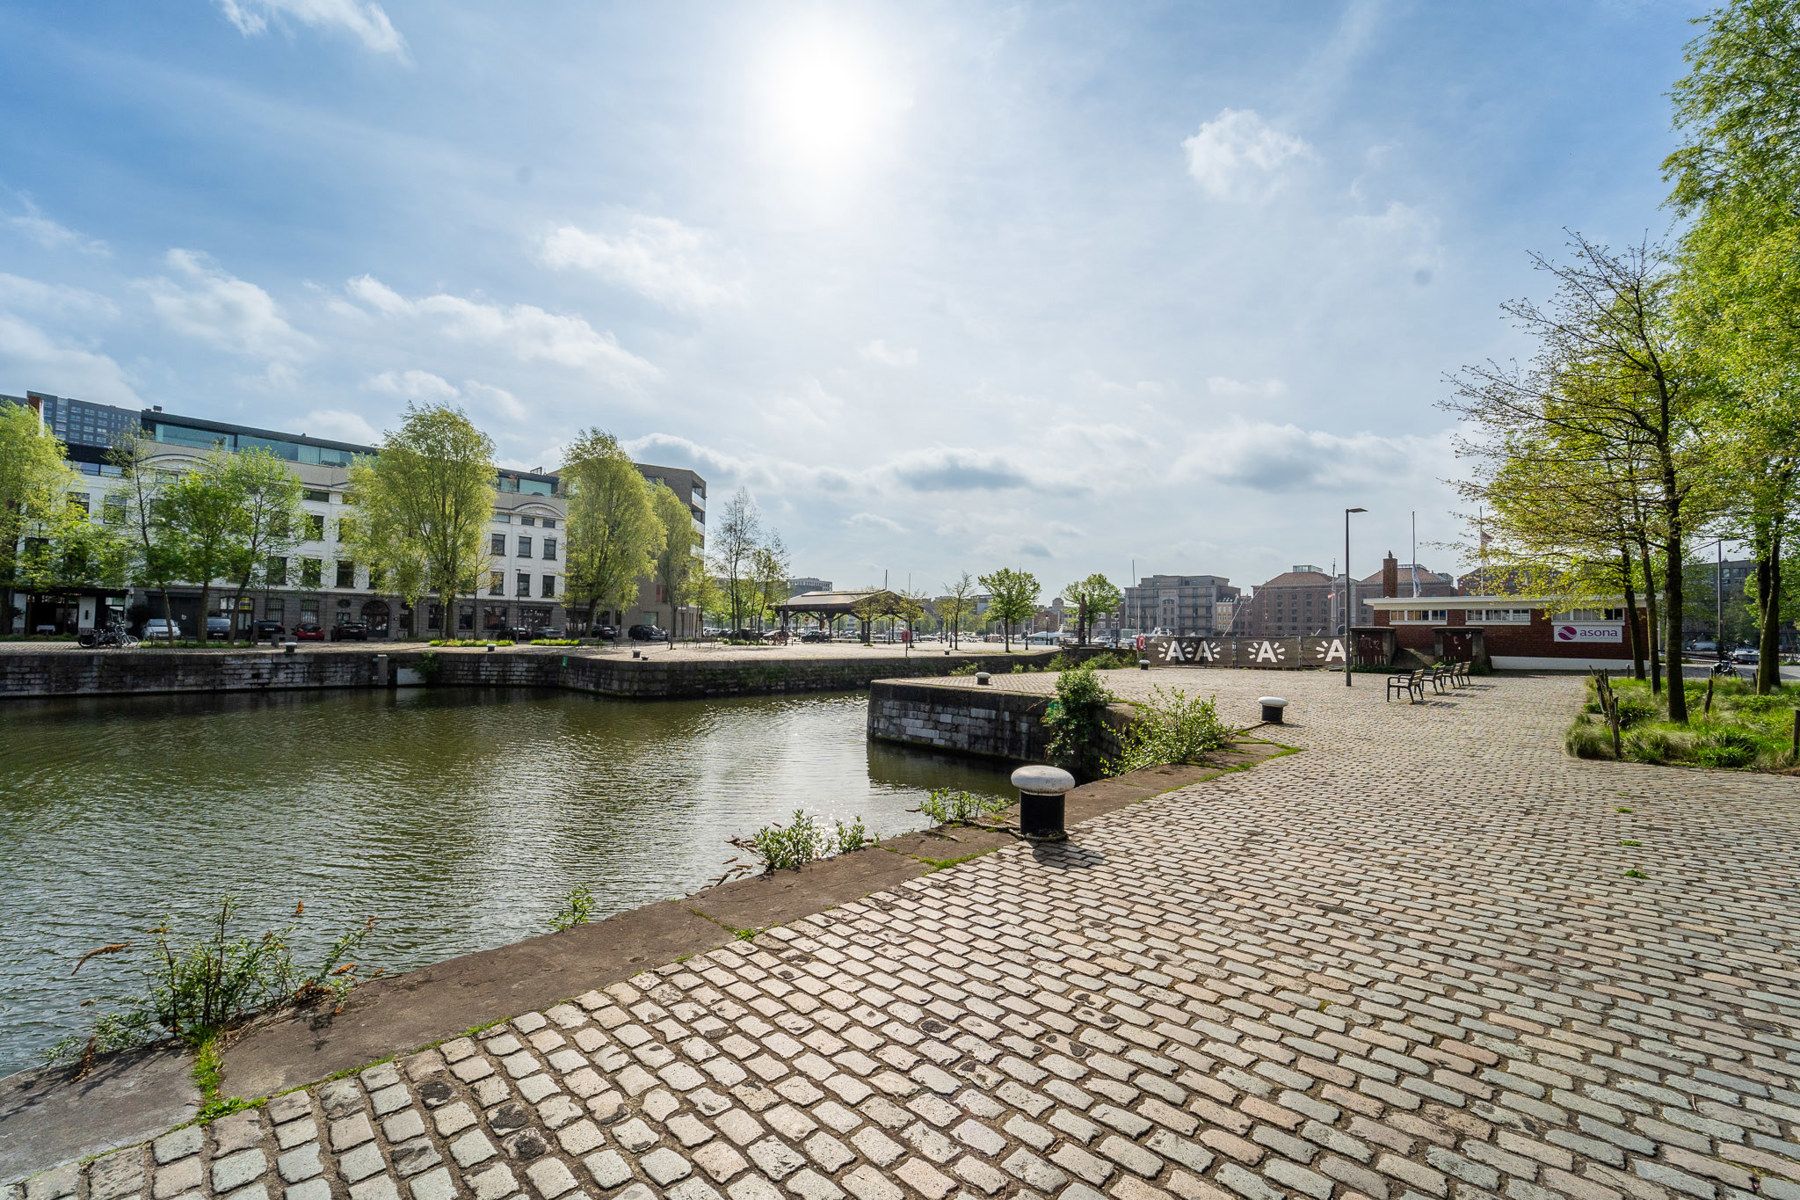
141	672
981	721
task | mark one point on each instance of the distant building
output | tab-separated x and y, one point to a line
806	583
1429	583
1296	603
1180	604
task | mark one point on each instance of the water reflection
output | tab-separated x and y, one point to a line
460	818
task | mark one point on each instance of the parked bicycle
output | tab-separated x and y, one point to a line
113	636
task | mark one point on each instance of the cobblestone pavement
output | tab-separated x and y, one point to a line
1411	961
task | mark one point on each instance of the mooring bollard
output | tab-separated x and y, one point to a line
491	648
1143	664
1041	792
289	647
982	677
1272	706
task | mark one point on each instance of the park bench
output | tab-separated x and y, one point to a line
1410	684
1441	677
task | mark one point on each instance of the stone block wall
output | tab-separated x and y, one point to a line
979	721
113	672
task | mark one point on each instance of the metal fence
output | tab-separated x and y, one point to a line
1264	653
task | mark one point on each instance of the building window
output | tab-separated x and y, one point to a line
377	577
465	617
80	500
502	519
315	494
311	571
527	520
343	529
549	587
1500	616
273	610
550	548
496	583
315	527
112	510
524	584
1592	616
1421	616
524	546
346	574
277	569
549	522
497	544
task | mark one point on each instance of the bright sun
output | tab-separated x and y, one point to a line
825	99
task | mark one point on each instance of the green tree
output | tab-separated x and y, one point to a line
204	511
34	477
957	605
769	567
734	549
423	505
65	549
678	564
270	520
1737	174
1014	599
870	608
1092	597
154	560
615	534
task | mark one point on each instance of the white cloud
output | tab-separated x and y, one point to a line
216	307
1239	156
657	257
30	296
40	361
1245	389
1400	235
364	20
1269	457
528	332
875	521
878	351
413	385
340	424
485	397
52	235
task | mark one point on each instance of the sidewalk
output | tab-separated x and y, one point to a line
1406	962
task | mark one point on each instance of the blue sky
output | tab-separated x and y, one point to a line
947	286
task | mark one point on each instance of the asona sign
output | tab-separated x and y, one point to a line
1590	633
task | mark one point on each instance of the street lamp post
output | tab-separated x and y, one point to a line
1349	596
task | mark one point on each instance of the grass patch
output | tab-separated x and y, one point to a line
1739	730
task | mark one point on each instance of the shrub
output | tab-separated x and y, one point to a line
852	837
787	847
577	908
556	641
968	668
194	990
1172	728
1077	723
1725	748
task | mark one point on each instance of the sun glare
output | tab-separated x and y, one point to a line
826	99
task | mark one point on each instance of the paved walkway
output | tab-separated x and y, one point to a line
1409	962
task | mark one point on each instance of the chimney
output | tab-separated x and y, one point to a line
1390	575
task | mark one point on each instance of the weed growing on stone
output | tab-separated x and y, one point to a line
852	837
1076	721
195	990
1634	873
1172	728
949	806
577	908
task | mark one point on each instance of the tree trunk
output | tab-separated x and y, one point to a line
168	610
1650	603
205	599
1634	625
1768	610
1672	546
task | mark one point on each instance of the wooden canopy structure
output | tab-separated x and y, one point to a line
829	605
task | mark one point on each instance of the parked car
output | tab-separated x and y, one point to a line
1703	647
350	631
163	630
647	633
1745	654
548	631
218	628
272	630
607	633
309	631
815	635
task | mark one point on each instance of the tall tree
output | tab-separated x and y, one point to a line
1094	596
614	532
34	476
155	556
271	519
423	505
769	567
958	605
1737	174
1014	597
205	513
678	563
1611	366
734	548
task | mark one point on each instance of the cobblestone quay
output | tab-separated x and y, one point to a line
1409	962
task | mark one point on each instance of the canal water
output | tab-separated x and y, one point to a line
459	818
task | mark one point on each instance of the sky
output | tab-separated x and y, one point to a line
945	286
